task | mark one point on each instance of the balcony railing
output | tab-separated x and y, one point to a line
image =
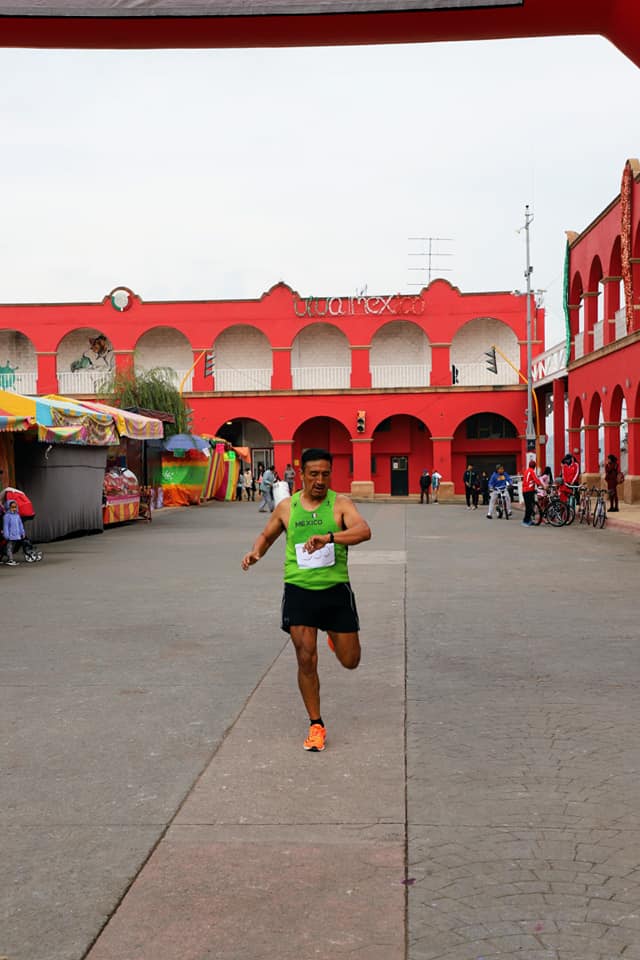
320	378
477	375
175	377
598	334
19	381
621	323
251	379
82	382
400	375
578	345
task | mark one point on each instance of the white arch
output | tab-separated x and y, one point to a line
167	348
244	360
320	358
400	356
84	361
18	362
468	353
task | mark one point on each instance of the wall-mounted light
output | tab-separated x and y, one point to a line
604	389
627	382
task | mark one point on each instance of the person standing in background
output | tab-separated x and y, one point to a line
425	486
470	480
290	476
435	484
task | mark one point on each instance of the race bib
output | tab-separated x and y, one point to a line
324	557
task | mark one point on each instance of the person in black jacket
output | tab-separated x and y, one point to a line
484	488
471	487
425	486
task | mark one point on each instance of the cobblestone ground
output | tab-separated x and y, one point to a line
522	743
156	802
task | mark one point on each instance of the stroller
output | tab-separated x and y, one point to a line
25	509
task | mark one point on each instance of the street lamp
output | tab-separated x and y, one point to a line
530	433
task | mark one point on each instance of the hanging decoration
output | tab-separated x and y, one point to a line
626	240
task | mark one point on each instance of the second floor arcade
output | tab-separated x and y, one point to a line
282	342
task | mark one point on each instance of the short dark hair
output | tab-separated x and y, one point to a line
316	453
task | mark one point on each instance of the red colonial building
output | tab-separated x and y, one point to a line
603	308
391	384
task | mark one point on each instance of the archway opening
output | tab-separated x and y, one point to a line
18	363
484	440
251	435
85	361
326	434
402	448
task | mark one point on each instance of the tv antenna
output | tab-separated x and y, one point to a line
429	253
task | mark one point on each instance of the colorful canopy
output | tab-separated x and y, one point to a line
99	428
13	423
129	424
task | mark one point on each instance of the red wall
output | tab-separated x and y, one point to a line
291	417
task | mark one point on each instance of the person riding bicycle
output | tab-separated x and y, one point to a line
570	477
499	482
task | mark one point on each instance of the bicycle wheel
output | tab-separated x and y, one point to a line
571	515
499	509
600	514
557	513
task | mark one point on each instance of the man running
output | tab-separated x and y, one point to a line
320	525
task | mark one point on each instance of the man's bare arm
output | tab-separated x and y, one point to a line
356	530
276	523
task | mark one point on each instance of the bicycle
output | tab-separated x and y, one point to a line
503	506
574	489
584	506
600	508
551	509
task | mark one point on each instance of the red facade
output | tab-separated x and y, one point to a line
604	310
322	361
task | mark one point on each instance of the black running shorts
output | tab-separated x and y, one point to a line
333	609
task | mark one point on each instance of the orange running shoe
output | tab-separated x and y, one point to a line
315	740
332	646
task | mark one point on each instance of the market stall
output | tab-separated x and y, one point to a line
60	460
123	483
10	424
185	466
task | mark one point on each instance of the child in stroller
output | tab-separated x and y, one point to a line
13	533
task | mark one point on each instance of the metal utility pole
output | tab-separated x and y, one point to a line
429	253
531	433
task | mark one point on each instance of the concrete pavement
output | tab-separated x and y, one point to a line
479	792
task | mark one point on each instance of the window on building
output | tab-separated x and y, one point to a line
489	426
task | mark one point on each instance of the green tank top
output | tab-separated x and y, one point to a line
302	525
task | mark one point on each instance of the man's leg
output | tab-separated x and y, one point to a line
305	641
492	502
347	648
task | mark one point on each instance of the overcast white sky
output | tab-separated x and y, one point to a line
214	174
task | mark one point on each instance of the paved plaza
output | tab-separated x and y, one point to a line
479	796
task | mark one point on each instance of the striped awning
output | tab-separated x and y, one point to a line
13	423
129	424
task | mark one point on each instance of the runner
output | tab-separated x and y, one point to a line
320	525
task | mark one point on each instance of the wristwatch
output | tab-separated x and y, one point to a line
331	538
